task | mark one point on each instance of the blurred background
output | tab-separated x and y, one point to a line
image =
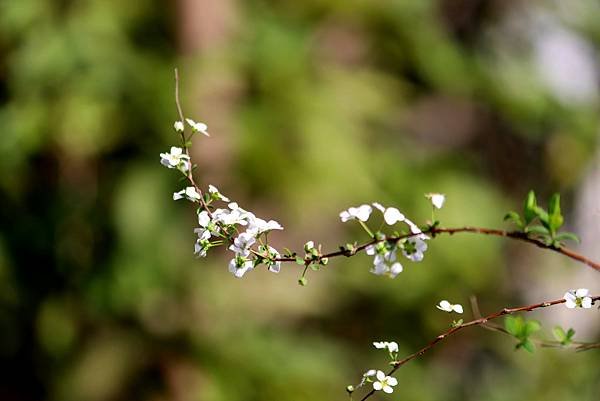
313	106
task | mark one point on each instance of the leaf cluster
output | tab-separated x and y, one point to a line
540	223
522	329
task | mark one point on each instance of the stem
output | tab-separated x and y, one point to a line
476	322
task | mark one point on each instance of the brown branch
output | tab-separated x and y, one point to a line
190	175
476	322
433	231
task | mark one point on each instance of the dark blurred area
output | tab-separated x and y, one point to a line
313	107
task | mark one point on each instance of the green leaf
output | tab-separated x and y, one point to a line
559	334
529	208
555	216
570	333
514	217
302	281
543	216
528	345
531	326
537	229
513	324
299	260
315	267
564	236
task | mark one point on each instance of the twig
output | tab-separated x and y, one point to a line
476	322
190	175
516	235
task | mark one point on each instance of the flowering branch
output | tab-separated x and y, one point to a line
476	322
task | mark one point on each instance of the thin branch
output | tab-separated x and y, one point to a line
190	175
433	231
476	322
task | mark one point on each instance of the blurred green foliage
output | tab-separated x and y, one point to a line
313	106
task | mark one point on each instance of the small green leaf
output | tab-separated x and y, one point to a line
528	345
529	208
302	281
564	236
299	260
559	334
537	229
543	216
531	326
513	325
315	267
514	217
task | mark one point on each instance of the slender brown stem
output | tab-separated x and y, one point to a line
189	175
516	235
476	322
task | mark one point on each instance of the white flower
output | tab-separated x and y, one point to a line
239	266
391	215
202	243
309	245
384	382
414	248
361	213
197	126
448	307
259	226
230	217
437	200
176	159
370	373
189	193
390	346
383	263
242	243
203	219
214	191
578	299
178	125
274	265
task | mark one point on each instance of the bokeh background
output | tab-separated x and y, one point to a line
313	106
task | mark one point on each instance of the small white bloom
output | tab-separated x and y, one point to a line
437	200
189	193
578	299
391	346
176	159
242	243
370	373
384	382
203	219
259	226
309	245
414	249
391	215
274	266
198	126
178	125
361	213
214	191
238	266
446	306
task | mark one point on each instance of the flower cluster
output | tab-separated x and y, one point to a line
222	225
578	299
412	243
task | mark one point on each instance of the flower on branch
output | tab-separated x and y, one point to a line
391	346
197	126
384	382
178	125
437	200
189	193
578	299
361	213
391	215
448	307
384	263
214	193
176	159
414	248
